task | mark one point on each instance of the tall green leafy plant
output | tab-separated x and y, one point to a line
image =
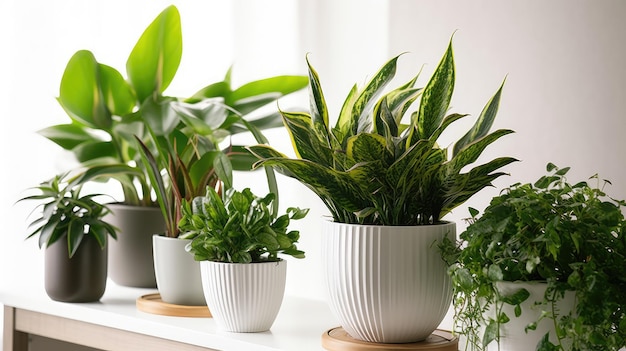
373	167
108	111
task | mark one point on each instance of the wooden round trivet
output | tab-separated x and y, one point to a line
337	339
152	303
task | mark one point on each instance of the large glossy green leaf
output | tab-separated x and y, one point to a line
274	86
68	136
203	117
159	115
80	92
436	97
223	169
219	89
241	158
94	150
118	95
153	62
483	123
100	171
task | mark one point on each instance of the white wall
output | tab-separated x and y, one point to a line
563	59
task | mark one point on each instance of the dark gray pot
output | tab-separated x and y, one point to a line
130	256
81	278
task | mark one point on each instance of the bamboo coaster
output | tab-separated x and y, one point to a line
152	303
337	339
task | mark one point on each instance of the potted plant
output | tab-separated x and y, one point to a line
74	235
185	163
543	268
387	184
107	111
237	241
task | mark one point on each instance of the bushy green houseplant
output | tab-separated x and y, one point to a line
108	111
67	215
243	228
373	167
570	236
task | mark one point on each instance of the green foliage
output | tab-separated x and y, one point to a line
66	214
243	228
372	168
570	236
109	112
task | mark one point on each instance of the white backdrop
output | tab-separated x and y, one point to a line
564	96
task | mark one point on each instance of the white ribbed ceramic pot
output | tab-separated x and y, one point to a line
386	284
513	334
244	297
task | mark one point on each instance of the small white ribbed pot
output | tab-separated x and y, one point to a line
244	297
386	284
513	334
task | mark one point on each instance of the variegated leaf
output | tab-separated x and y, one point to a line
367	98
319	111
471	152
483	123
460	187
336	186
346	125
366	147
304	140
436	96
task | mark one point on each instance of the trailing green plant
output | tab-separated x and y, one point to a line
241	228
374	168
108	111
68	215
570	236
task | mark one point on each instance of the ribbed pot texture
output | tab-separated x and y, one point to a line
177	273
130	256
386	284
244	297
513	335
81	278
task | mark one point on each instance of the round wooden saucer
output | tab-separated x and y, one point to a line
337	339
152	303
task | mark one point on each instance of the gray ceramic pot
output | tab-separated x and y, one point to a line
81	278
130	256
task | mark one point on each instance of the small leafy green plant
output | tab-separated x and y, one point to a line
65	214
373	167
243	228
571	237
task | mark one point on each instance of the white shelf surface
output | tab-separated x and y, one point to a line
299	325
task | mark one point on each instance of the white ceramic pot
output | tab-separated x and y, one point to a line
513	336
177	273
387	284
244	297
